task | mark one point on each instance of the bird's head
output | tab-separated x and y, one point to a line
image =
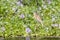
35	13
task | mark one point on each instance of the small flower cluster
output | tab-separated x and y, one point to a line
49	1
22	16
55	25
28	30
3	29
19	4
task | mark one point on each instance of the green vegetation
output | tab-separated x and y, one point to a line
14	18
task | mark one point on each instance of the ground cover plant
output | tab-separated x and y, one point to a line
17	19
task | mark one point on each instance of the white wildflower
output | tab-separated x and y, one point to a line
53	19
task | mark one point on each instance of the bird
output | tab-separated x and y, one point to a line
38	18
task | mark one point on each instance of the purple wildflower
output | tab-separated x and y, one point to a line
49	2
3	28
19	4
22	16
28	30
54	25
14	9
27	38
